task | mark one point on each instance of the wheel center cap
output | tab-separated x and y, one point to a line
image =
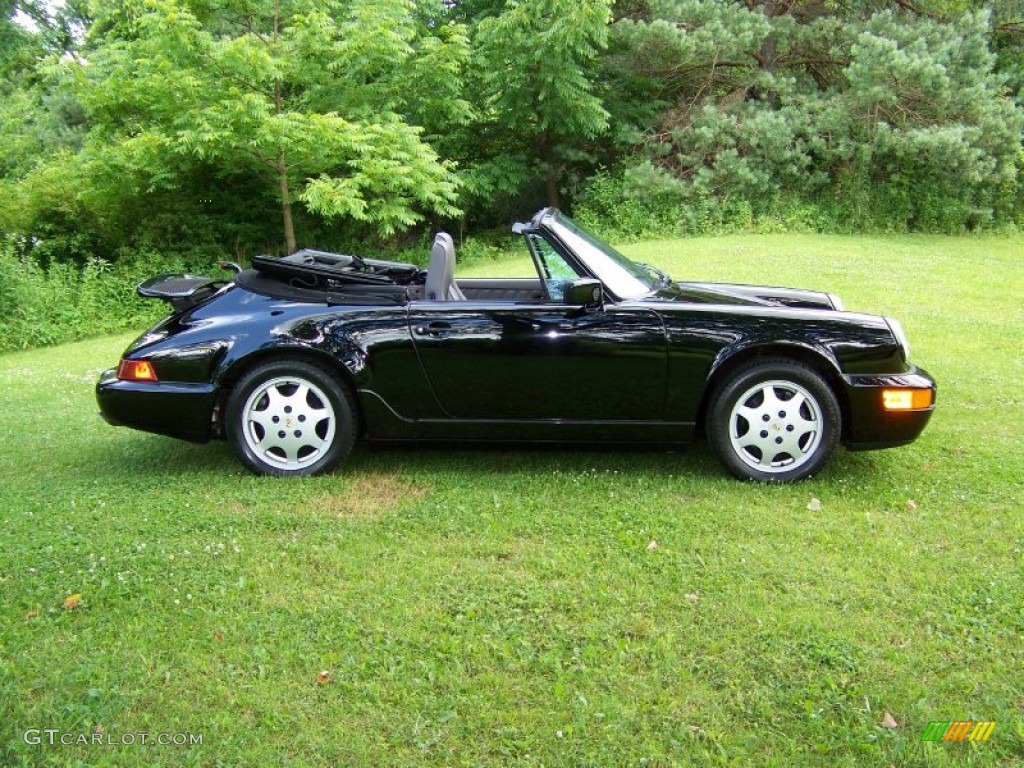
288	422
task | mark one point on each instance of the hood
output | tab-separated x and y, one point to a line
749	295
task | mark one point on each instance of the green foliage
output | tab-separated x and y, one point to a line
52	302
385	188
943	138
17	45
306	95
480	253
884	121
537	107
623	207
1007	41
643	201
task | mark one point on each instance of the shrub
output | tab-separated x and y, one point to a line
631	203
53	303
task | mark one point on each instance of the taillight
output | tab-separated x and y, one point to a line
136	370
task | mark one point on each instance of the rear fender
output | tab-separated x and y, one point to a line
233	370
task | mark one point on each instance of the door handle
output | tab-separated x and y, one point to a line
435	330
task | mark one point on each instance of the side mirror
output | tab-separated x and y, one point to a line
585	292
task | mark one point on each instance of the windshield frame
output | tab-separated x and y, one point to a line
620	275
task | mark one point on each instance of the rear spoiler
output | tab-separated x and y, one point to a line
182	292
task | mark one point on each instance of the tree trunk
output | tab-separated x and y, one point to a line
551	170
286	205
282	166
551	183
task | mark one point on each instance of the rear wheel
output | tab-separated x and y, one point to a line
290	418
774	420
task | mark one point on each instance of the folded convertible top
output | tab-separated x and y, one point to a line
309	266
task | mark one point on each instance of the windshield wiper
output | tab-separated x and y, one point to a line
662	276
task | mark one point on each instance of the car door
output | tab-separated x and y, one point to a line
541	360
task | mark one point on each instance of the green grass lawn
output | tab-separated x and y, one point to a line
535	607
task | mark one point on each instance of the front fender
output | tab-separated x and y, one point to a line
706	343
730	357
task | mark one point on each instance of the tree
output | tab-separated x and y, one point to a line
535	64
41	121
307	93
895	115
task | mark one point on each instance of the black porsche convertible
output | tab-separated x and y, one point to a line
296	358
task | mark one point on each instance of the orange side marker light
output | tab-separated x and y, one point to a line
906	399
136	370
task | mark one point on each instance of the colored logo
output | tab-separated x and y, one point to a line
958	730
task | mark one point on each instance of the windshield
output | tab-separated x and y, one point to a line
625	278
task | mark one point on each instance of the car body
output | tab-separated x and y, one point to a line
295	359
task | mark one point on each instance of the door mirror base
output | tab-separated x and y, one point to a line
586	293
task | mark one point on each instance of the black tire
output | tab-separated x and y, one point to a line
774	420
291	418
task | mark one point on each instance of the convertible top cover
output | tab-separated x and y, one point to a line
307	275
309	267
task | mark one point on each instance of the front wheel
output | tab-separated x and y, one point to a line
775	421
290	418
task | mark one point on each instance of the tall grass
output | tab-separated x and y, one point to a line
47	303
